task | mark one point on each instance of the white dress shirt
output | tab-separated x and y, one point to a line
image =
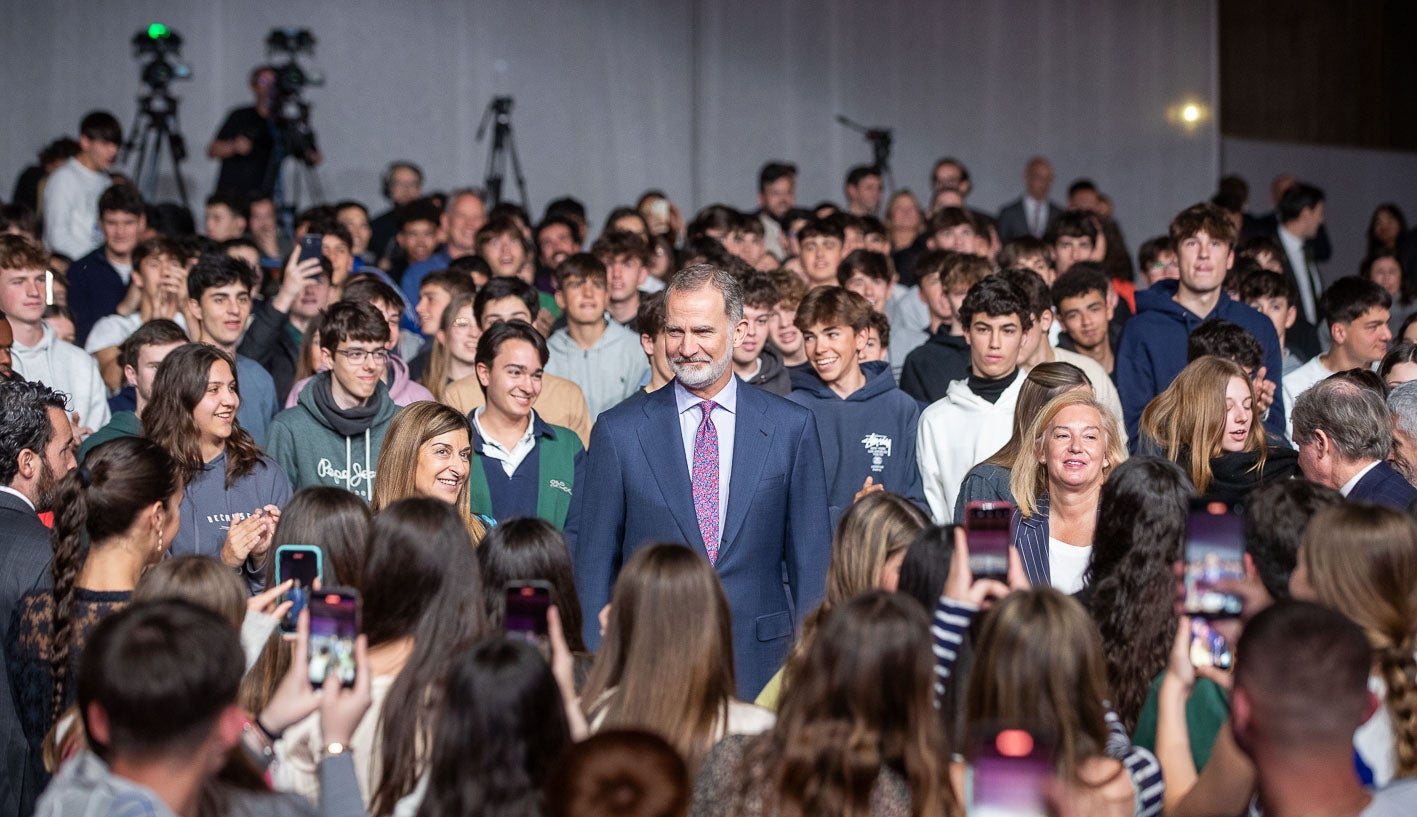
1294	251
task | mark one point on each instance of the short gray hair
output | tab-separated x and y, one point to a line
476	192
1354	417
695	278
1402	402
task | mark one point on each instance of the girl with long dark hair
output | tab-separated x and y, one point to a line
233	492
116	515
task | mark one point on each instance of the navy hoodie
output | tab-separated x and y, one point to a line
871	433
1153	350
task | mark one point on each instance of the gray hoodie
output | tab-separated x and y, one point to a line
86	787
209	508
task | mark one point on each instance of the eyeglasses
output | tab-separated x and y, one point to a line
462	323
358	356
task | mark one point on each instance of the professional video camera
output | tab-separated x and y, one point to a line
160	42
289	109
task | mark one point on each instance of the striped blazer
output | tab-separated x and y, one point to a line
1030	538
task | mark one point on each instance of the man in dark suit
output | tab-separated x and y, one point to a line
729	469
1298	220
1344	432
37	448
1032	214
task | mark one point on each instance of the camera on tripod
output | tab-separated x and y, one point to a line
289	110
164	47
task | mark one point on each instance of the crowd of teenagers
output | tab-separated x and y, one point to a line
674	518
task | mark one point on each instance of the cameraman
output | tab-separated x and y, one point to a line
245	143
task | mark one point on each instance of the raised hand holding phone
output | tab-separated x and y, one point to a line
960	584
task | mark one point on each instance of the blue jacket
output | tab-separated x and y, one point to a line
870	433
776	538
413	278
1384	486
1153	350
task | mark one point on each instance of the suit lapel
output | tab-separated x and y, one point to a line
752	438
663	448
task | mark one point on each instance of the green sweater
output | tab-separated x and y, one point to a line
122	424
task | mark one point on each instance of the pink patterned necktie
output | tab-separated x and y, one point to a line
705	479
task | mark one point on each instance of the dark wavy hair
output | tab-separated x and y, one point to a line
1141	531
420	581
179	387
502	726
95	503
523	549
840	725
24	422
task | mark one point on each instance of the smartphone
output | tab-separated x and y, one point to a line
527	603
1010	775
1215	550
334	624
1208	648
988	530
310	245
303	564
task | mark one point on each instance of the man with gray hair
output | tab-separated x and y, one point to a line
463	216
1344	433
730	470
1402	402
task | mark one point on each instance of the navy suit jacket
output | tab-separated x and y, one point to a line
1013	219
1384	486
776	536
25	553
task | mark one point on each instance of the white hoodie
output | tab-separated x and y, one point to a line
65	367
957	432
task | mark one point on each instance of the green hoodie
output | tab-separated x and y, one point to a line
303	441
123	424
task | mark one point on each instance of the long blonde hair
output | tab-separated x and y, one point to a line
1362	561
414	425
435	377
1028	479
1188	419
1043	382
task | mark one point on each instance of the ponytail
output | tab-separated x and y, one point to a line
96	502
1398	669
71	549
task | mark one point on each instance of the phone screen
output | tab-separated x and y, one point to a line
334	624
987	532
301	564
1009	776
1209	648
527	603
1215	550
310	245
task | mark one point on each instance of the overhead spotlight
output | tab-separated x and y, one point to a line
1188	114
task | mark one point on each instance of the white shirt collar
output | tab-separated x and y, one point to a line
1353	483
7	489
1292	243
727	398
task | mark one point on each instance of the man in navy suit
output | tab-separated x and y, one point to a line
1033	213
36	449
1344	432
733	471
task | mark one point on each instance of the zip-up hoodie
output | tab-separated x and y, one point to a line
317	446
209	508
403	389
870	433
1153	350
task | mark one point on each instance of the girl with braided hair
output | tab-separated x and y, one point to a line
115	516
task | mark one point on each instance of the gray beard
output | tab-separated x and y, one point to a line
697	378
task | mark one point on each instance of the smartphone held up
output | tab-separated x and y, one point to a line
334	626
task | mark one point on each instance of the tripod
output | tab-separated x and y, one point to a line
499	113
881	140
156	124
293	138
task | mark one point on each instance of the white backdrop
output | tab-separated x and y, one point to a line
614	96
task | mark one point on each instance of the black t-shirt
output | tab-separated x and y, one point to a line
247	175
